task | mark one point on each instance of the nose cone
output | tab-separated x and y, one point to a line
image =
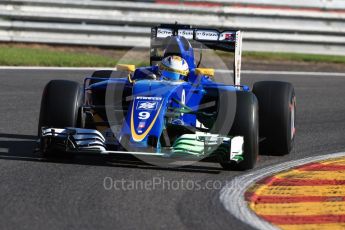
147	110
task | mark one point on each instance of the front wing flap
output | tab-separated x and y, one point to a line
187	147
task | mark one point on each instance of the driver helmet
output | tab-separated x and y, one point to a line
174	68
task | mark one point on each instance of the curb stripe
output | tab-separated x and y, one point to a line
333	226
316	219
321	167
307	194
300	209
253	197
312	175
233	194
276	181
266	190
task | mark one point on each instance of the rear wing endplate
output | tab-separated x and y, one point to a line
226	40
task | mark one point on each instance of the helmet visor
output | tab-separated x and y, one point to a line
171	75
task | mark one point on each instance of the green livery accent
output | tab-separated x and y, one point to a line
188	144
238	158
202	145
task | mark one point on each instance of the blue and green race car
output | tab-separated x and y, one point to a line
172	110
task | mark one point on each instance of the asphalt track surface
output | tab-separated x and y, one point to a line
70	194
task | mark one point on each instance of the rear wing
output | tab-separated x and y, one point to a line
226	40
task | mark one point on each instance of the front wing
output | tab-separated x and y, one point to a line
199	146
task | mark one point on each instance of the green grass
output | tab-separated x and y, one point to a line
23	56
12	55
268	56
26	56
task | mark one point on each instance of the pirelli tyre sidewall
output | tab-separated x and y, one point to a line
277	115
245	124
60	105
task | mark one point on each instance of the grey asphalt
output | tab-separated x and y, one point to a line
70	193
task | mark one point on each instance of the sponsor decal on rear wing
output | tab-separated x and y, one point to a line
200	35
226	40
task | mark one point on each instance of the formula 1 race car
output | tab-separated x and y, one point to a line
173	110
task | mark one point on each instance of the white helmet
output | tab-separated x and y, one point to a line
172	67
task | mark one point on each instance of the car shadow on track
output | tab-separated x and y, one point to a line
21	147
17	146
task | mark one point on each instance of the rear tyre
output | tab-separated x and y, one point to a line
60	105
277	114
245	124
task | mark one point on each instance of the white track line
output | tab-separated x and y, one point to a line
294	73
232	195
335	74
271	72
54	68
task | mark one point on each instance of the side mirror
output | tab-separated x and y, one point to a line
128	69
124	67
204	71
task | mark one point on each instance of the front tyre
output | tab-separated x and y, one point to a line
60	105
277	115
245	124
